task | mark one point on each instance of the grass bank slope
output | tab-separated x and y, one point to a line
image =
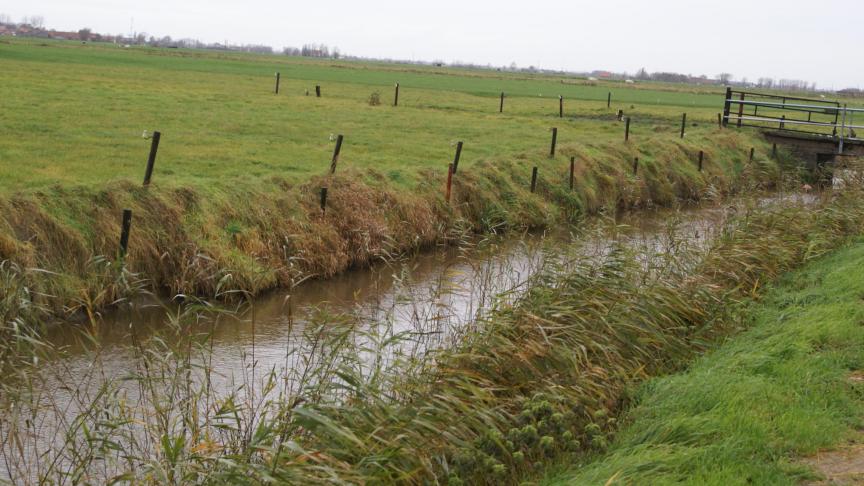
747	412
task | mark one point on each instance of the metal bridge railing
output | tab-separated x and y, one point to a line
789	113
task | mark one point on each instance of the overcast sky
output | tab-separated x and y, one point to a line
819	41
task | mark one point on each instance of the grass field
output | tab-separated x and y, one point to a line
236	183
75	114
748	412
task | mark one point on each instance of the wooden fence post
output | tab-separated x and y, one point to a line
727	106
151	159
457	157
449	182
752	153
719	120
125	227
323	200
627	130
501	104
554	141
572	171
683	124
635	165
774	151
317	90
533	179
741	111
336	154
560	106
609	100
396	96
277	83
701	157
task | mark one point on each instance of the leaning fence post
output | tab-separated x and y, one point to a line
317	90
560	106
572	171
277	83
635	165
501	104
683	124
396	96
449	182
457	157
323	200
125	227
554	141
533	179
336	154
151	159
627	129
701	157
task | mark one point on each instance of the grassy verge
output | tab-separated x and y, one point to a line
747	412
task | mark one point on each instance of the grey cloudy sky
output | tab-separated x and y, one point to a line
819	41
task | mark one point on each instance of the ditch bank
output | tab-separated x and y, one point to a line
60	245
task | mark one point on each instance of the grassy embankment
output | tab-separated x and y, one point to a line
239	169
747	412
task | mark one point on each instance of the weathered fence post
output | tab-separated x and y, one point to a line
701	158
782	122
683	124
396	96
336	154
719	120
727	106
323	200
125	227
627	130
609	100
774	151
317	90
635	165
277	83
151	159
752	153
533	179
560	106
554	141
501	104
572	171
449	182
457	157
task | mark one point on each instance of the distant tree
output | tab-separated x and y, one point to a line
5	19
642	74
84	34
724	78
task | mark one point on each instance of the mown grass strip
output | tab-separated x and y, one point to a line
747	413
